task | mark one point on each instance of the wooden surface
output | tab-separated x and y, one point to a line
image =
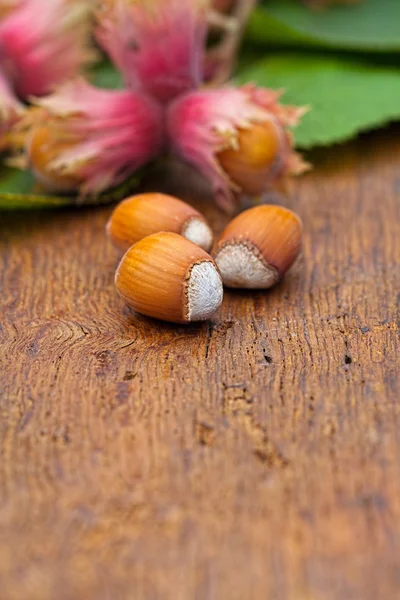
253	457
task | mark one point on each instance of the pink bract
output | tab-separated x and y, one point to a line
203	123
44	44
158	45
108	134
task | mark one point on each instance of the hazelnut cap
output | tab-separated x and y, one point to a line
258	247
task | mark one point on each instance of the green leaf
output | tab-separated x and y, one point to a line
17	192
105	75
346	97
370	26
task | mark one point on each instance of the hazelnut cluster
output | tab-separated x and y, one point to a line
84	140
167	271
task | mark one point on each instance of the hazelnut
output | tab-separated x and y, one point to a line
258	247
167	277
145	214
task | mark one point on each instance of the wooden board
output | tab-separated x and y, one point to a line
255	456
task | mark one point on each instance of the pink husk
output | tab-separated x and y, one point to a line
158	45
41	46
112	133
202	124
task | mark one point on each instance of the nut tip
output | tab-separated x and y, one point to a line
198	232
241	266
204	291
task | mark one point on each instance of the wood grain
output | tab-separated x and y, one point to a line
253	457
